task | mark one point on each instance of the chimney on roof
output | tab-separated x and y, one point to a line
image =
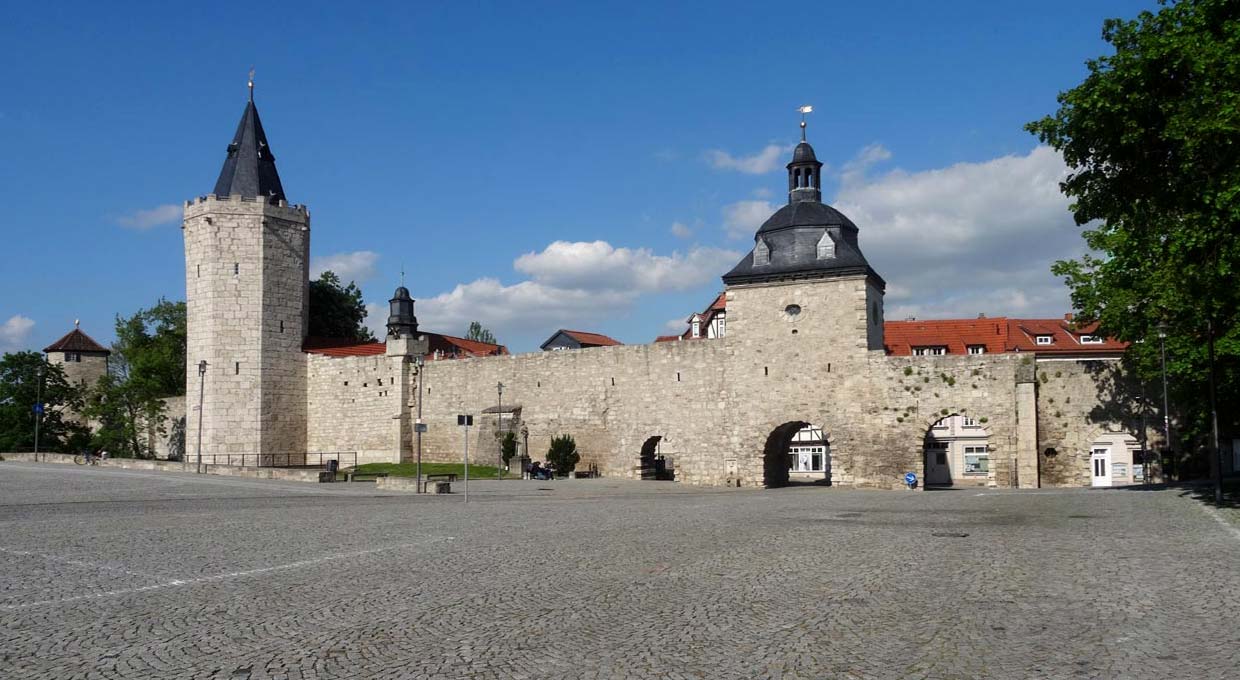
1067	317
981	315
910	318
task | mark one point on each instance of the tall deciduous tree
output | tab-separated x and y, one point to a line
337	311
478	333
21	389
1153	139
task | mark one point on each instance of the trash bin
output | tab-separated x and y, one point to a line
333	466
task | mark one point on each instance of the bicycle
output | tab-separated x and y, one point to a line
82	459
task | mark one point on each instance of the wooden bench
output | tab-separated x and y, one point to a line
363	476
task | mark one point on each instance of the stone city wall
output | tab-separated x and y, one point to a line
1078	401
354	404
716	402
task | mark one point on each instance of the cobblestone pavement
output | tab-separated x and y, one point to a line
124	574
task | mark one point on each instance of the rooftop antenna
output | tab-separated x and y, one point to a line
402	274
251	84
804	110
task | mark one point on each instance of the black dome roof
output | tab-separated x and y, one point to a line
805	214
401	293
804	153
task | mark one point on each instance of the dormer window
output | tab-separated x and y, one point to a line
761	253
696	325
1044	339
934	350
826	247
1091	340
977	349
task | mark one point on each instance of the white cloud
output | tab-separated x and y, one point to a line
676	326
570	284
358	265
763	192
966	239
742	219
766	160
681	230
15	333
376	318
142	220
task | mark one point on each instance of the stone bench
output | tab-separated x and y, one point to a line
364	476
441	483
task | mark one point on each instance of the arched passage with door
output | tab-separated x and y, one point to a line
796	452
651	461
957	451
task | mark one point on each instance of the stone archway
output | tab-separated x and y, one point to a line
798	444
649	457
956	451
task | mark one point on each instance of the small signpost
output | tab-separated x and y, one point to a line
38	409
465	422
910	478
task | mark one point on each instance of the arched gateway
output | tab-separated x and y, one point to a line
796	452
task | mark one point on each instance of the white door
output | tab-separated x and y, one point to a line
1100	463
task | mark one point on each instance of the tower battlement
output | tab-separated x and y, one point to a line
279	208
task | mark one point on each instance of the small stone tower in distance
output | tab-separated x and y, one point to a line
805	283
83	360
246	286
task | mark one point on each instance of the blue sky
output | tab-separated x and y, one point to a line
539	165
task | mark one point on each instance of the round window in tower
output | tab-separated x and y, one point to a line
792	312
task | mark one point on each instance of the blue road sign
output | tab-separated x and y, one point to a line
38	408
910	478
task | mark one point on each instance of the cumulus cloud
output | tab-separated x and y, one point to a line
571	284
376	318
762	162
15	333
142	220
681	230
742	219
966	239
358	265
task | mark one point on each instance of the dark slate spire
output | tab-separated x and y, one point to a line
401	322
250	168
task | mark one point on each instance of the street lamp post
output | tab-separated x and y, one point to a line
202	375
499	389
38	407
420	362
1162	350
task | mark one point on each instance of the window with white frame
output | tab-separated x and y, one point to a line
1091	340
966	421
696	325
1044	340
977	349
761	253
976	460
721	319
929	351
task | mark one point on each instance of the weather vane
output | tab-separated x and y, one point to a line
251	83
402	274
804	110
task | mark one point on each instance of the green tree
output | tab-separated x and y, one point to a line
150	349
1152	136
508	447
563	454
147	364
19	391
337	311
478	333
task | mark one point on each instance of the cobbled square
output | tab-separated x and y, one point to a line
128	574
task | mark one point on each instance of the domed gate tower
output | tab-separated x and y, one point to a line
806	276
246	287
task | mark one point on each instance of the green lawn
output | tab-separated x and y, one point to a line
408	469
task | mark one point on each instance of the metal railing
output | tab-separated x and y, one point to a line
344	459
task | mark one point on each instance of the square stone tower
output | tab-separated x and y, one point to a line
246	285
806	282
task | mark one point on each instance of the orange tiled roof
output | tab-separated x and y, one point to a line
594	339
998	334
441	346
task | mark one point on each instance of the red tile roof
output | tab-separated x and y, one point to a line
440	347
998	334
591	339
76	341
668	338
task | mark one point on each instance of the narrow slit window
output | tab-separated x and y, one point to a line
236	268
237	368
